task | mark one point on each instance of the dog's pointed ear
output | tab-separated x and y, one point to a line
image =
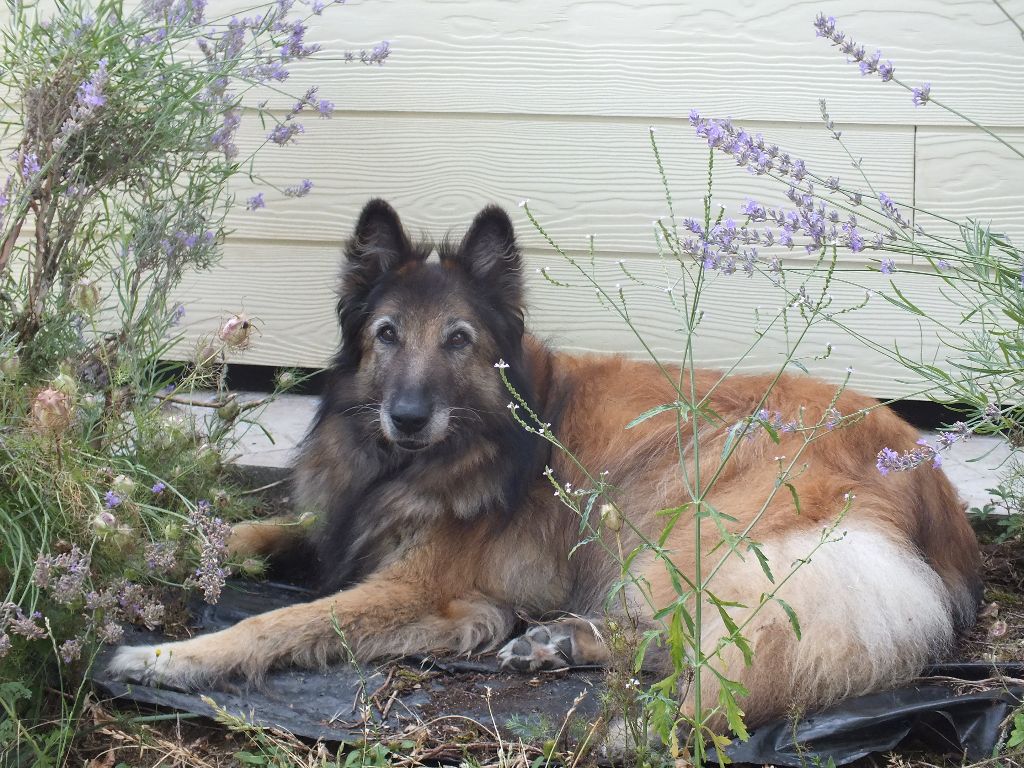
378	245
379	242
489	251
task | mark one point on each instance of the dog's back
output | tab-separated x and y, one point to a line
879	570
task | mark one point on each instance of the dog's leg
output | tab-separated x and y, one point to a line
266	538
570	642
388	615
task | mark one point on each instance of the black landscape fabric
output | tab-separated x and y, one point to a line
956	709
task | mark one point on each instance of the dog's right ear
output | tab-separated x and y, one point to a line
378	245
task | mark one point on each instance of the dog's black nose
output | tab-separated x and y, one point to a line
410	414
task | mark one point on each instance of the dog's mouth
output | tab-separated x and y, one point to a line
412	444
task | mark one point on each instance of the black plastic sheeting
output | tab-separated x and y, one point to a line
950	711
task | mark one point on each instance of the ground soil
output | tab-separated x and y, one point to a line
118	737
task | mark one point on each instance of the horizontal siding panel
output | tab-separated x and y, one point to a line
582	178
752	61
291	295
962	173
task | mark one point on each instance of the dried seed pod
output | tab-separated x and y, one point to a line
86	296
611	518
236	331
51	410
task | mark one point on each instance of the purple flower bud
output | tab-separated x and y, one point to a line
920	96
300	190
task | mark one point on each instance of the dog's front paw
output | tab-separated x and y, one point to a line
542	647
152	665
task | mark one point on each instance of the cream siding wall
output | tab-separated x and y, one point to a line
551	100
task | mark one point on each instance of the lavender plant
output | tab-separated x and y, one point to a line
121	141
977	270
720	250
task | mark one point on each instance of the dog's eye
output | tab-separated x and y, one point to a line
458	340
387	334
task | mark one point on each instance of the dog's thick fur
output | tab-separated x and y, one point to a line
440	532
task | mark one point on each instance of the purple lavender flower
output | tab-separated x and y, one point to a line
825	26
64	575
942	265
158	488
325	108
888	207
296	47
30	165
160	557
285	132
887	266
832	418
90	96
224	137
111	499
255	202
176	317
379	53
26	626
110	632
309	99
213	535
273	70
889	460
920	96
299	190
71	650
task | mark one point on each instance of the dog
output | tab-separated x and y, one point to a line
446	517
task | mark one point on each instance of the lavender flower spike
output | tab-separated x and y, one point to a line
299	190
825	26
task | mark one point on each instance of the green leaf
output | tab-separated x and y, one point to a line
674	406
727	697
641	650
906	303
735	637
796	497
756	549
1017	734
793	620
249	758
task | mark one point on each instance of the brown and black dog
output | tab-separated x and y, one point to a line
440	531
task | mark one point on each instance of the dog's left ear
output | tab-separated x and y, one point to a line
490	255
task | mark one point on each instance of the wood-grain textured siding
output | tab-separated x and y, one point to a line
551	100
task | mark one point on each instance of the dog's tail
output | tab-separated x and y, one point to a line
841	618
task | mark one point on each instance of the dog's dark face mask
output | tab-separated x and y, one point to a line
425	336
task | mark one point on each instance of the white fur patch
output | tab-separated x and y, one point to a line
872	612
151	664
